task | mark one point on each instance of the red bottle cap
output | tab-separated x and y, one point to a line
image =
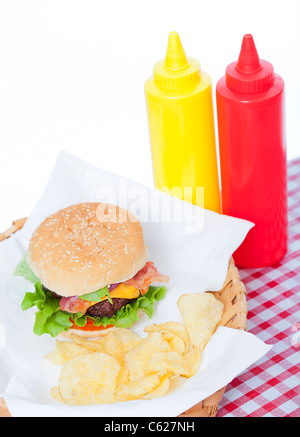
249	74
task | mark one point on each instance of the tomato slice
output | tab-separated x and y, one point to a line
90	326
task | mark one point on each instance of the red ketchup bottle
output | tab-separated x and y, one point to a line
250	109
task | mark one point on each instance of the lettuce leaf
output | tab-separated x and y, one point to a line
24	270
50	319
96	296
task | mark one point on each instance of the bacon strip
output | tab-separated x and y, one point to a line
141	280
145	277
74	304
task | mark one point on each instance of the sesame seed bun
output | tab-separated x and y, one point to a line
85	247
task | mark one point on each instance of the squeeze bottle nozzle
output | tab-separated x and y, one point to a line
249	74
175	57
248	61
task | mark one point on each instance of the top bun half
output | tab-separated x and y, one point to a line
85	247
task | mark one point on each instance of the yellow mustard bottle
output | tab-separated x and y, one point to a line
181	125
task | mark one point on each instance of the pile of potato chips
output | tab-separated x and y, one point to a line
121	366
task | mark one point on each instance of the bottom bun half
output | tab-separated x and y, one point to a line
85	334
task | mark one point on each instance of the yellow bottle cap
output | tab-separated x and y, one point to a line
176	71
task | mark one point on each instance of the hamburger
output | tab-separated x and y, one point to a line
89	266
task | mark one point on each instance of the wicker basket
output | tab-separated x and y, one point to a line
233	296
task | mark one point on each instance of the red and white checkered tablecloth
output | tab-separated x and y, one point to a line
270	388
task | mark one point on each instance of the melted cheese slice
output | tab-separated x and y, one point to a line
124	292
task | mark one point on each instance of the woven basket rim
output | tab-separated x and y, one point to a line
232	295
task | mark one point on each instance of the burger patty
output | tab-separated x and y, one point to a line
107	309
104	308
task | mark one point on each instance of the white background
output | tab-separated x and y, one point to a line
72	77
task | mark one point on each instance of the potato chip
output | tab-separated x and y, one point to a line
175	333
161	389
116	343
127	338
176	343
106	344
123	376
193	360
55	393
89	379
64	351
137	359
201	314
139	388
171	362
